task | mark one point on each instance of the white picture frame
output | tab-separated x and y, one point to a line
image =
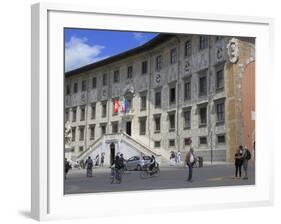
48	201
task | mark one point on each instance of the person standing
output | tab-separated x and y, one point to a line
245	156
178	157
89	164
238	163
67	167
189	160
102	159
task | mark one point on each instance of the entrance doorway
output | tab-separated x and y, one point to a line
112	152
129	127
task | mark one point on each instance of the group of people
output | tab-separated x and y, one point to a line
242	156
175	158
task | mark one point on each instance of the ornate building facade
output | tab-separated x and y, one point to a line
180	90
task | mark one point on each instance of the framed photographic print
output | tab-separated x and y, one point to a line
145	105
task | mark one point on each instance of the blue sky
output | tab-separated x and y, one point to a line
85	46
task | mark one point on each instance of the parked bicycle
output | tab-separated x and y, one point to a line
146	172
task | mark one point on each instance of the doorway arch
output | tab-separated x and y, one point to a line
112	152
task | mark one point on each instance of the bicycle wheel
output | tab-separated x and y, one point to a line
144	174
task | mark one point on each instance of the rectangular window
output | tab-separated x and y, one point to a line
172	121
104	79
172	142
130	72
143	102
103	129
187	49
144	67
73	132
81	148
66	115
158	99
157	120
116	76
84	85
219	80
203	116
157	144
82	113
203	42
92	132
203	140
75	87
221	139
187	90
142	121
186	116
172	95
202	86
130	104
81	133
104	109
220	112
158	63
114	127
93	111
187	141
67	89
173	56
74	114
94	82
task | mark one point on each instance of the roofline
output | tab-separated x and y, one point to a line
153	42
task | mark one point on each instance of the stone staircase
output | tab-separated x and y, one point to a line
160	154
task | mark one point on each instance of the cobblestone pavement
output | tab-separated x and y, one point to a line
170	178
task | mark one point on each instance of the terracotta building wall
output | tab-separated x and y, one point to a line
248	105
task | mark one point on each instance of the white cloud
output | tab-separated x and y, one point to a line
79	53
140	37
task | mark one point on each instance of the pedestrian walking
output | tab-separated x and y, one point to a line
238	163
97	160
189	160
102	159
89	164
178	157
67	167
246	156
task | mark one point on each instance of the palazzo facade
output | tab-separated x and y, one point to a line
182	91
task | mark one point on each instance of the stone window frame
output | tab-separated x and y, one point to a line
156	116
81	133
84	85
144	67
143	94
158	90
82	114
75	87
172	145
200	138
158	62
216	103
219	68
116	76
104	79
103	124
221	135
74	114
173	85
113	131
92	128
68	89
67	113
81	148
203	42
157	144
130	71
172	113
93	111
199	107
142	119
103	109
187	79
184	110
73	134
188	48
94	82
203	74
173	56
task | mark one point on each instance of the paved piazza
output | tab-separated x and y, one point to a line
170	178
